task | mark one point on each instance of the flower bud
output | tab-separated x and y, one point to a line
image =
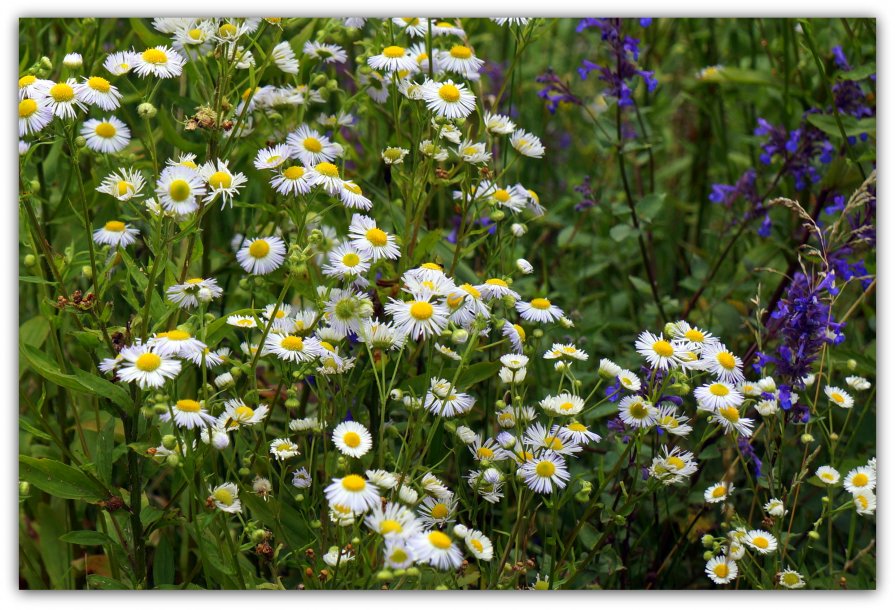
258	536
384	575
169	441
24	488
30	260
146	111
34	185
814	535
806	439
315	524
707	555
459	336
73	61
244	472
45	63
147	412
413	572
708	541
299	498
80	141
173	460
498	215
852	364
397	394
87	272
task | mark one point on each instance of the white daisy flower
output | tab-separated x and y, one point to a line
99	92
354	492
225	497
460	60
576	432
395	521
292	180
34	115
767	408
608	369
32	87
791	579
509	21
443	399
310	147
671	422
397	554
537	436
722	363
479	545
839	397
565	351
352	196
175	342
283	449
865	502
195	40
539	310
437	549
284	58
828	475
346	262
714	396
860	479
660	353
159	61
221	181
415	27
629	380
115	233
188	294
695	337
730	419
292	348
108	135
499	124
146	367
515	334
352	439
326	175
446	28
120	62
718	492
448	99
123	185
237	414
563	404
242	321
857	383
761	541
637	412
370	240
674	467
178	189
527	144
62	99
546	473
261	255
721	570
775	508
189	414
327	53
392	59
272	157
436	512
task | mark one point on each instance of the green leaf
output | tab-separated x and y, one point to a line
105	389
96	581
621	232
640	285
852	126
163	562
477	372
86	538
650	206
147	36
176	138
47	369
859	73
60	480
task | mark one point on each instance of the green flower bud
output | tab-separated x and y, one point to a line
834	437
413	572
160	408
87	271
384	576
708	541
45	63
316	237
707	555
24	488
806	439
299	497
34	186
355	541
146	110
244	283
332	84
319	80
315	524
258	536
169	441
669	328
400	572
147	412
172	460
814	535
80	141
441	588
498	215
537	333
460	336
30	260
500	404
852	364
210	317
292	403
244	472
235	371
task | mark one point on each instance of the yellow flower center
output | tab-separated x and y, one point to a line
421	310
327	169
675	461
410	21
243	413
195	34
352	439
761	542
454	300
376	236
719	492
461	52
105	130
432	266
695	335
312	145
350	260
540	303
727	360
790	578
354	483
663	348
730	414
719	389
27	108
721	570
827	476
176	335
228	30
292	343
98	83
554	443
259	248
440	511
566	406
577	427
485	452
860	480
188	406
148	362
393	52
223	496
293	172
449	93
422	57
351	187
62	92
195	280
123	187
26	80
471	290
220	180
439	540
520	331
398	555
638	410
502	195
863	501
327	346
837	397
116	226
179	190
390	526
154	56
667	421
545	468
